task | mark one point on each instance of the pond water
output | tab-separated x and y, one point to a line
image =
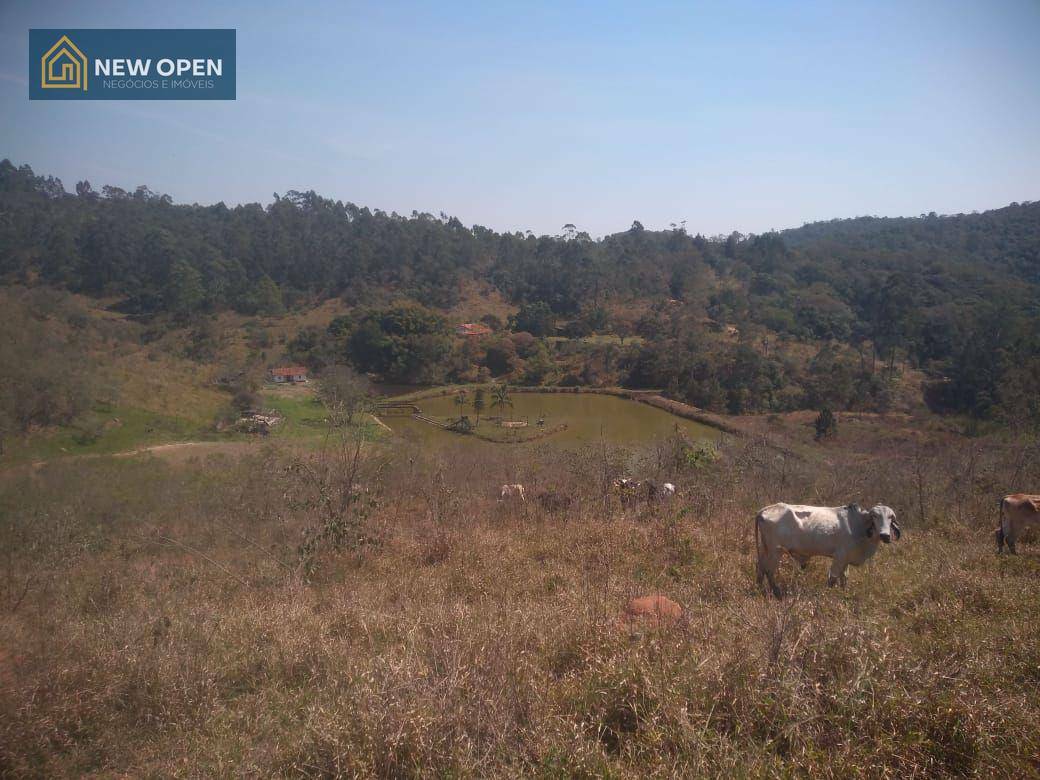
589	417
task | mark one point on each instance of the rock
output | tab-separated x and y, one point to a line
656	609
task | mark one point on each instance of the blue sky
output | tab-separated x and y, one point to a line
732	116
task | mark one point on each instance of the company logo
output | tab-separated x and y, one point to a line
63	66
132	64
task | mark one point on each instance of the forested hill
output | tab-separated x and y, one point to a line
1004	239
179	258
957	295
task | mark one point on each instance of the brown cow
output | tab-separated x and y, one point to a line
1017	511
511	492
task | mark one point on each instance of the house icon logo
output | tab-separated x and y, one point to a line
63	66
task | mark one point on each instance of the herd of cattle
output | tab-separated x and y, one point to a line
627	489
848	535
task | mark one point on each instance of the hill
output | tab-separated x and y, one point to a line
841	314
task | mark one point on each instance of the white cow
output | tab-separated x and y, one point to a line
667	490
846	534
511	491
1017	512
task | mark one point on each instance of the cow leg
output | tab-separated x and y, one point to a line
1010	531
1000	540
769	562
761	572
837	573
773	586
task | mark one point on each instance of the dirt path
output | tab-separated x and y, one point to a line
172	452
179	445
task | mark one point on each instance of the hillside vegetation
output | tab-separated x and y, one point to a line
834	314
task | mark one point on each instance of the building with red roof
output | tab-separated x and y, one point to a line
289	374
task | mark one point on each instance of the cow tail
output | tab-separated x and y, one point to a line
758	541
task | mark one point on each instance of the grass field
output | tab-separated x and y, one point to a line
280	614
302	414
120	429
107	431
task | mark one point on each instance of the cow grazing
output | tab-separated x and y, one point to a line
658	491
1017	512
848	535
627	489
511	492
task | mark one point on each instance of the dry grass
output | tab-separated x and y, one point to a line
157	621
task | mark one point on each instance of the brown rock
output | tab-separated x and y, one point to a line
656	608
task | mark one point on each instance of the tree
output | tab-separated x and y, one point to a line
266	298
500	396
46	380
501	357
597	319
344	393
826	424
403	343
460	401
539	366
479	402
492	321
536	318
623	328
184	289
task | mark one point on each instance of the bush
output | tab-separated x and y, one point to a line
826	424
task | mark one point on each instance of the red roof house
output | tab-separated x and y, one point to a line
289	374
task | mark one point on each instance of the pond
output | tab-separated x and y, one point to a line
588	417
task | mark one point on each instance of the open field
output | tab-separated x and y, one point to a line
447	416
260	616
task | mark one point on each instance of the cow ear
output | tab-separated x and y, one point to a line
897	530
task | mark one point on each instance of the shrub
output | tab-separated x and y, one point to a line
826	424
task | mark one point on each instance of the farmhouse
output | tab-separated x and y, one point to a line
472	329
289	374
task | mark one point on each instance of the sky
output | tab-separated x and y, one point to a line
746	116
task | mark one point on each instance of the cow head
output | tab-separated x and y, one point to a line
882	519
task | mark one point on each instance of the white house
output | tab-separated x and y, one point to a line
289	374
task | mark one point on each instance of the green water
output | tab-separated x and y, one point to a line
589	418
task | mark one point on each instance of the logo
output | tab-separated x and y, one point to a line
132	64
63	66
